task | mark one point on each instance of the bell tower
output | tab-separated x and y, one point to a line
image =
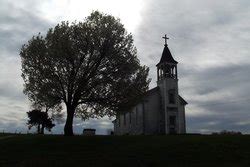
167	81
167	67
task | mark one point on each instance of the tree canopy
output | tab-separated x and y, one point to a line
39	119
91	66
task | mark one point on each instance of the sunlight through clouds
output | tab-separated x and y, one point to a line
128	11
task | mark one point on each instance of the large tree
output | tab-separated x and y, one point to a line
91	66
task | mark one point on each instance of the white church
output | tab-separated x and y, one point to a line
161	110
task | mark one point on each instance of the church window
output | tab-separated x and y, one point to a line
136	115
171	96
124	119
172	124
130	117
172	120
119	120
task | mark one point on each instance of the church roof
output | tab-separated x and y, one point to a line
166	56
182	100
151	91
157	89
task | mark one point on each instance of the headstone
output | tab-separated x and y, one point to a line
89	132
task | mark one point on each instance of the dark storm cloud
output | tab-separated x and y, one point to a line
220	78
18	24
210	40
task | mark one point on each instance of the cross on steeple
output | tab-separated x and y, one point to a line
166	38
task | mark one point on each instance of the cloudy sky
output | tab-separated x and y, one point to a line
210	39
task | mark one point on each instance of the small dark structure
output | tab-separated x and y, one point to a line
89	132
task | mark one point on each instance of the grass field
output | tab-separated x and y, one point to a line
143	151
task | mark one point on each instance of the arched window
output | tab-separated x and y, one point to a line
119	120
136	115
171	96
130	117
124	119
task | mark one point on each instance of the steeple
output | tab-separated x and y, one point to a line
167	67
167	57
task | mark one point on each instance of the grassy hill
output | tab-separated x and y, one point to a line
142	151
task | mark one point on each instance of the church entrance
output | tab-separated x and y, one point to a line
172	124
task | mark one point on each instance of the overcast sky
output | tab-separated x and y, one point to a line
210	39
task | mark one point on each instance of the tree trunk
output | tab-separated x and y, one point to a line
38	129
43	124
68	128
42	129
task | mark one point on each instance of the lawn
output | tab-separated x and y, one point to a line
127	151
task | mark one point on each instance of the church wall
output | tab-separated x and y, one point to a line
182	121
152	114
133	122
122	127
136	127
115	125
173	112
118	124
166	85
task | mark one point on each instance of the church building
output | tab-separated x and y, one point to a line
161	110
